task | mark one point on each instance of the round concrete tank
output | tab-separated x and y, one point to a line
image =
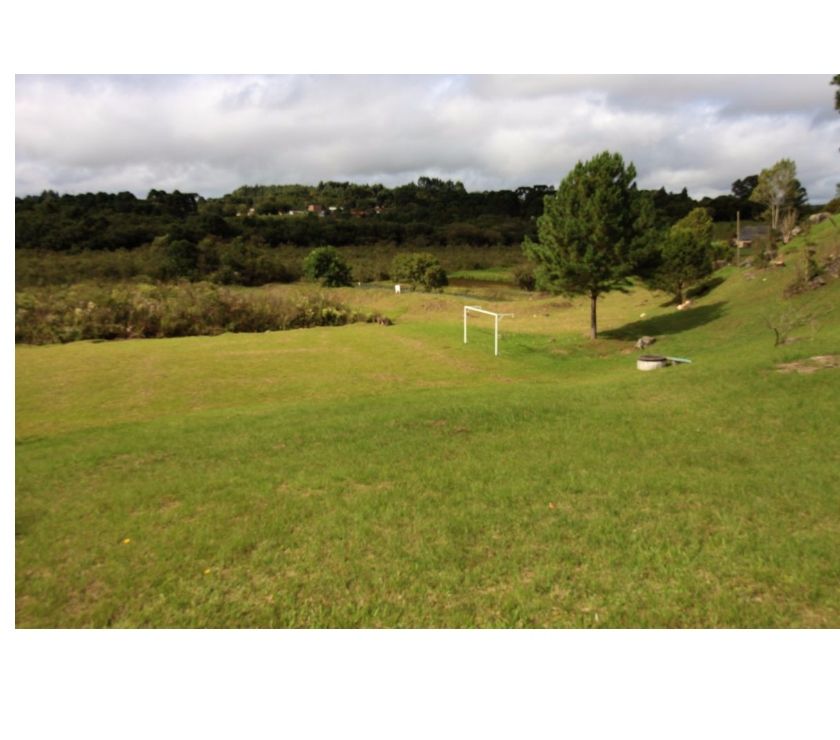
651	362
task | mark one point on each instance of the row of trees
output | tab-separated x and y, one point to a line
598	231
429	199
103	221
428	213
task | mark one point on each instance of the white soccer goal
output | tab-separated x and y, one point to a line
497	318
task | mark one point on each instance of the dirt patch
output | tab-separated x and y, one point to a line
810	365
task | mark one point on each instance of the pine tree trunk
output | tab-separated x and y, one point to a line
593	317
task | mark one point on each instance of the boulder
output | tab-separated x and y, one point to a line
645	342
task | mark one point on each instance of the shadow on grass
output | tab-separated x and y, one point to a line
705	287
672	323
698	291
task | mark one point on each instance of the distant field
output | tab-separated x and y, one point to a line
366	476
492	275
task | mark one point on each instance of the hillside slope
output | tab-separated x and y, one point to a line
393	476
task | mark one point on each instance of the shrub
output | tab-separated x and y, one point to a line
524	277
419	268
326	265
124	311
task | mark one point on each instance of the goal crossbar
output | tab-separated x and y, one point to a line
497	317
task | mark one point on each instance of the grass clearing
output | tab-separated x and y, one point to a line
392	476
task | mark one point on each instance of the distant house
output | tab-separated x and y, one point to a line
314	208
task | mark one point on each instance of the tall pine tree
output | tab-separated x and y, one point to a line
586	234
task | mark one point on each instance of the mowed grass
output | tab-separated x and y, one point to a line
369	476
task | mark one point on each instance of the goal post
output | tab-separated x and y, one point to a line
497	317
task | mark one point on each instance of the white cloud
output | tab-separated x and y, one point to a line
211	134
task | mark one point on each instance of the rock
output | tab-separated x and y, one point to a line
818	218
645	342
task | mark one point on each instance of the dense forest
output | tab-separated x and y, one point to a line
428	212
235	239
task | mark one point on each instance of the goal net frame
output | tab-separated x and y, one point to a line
497	317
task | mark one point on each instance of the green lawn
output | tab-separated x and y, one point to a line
392	476
490	275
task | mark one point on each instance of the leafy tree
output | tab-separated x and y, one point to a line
419	268
800	195
181	258
725	207
836	81
742	188
532	198
587	231
175	203
686	254
651	228
776	188
673	206
327	265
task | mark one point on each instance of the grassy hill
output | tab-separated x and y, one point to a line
393	476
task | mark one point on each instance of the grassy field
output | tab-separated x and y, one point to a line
366	476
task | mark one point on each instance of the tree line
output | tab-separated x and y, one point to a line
428	213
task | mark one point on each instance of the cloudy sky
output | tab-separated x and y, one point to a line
211	134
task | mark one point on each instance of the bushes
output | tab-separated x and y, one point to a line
243	263
235	262
327	265
524	277
419	268
126	311
232	262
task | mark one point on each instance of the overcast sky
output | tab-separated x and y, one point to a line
211	134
